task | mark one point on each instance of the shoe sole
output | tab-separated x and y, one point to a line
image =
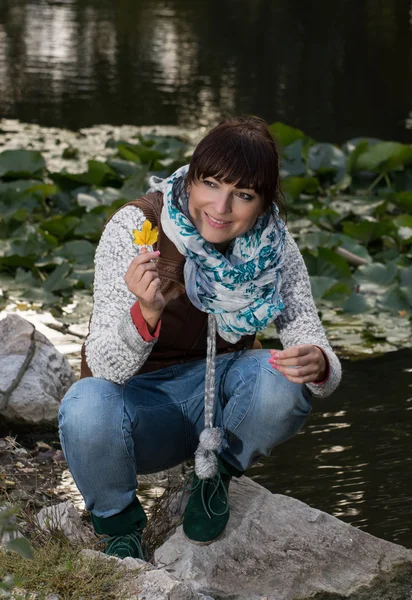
203	543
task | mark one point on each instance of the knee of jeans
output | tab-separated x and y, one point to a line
281	399
86	411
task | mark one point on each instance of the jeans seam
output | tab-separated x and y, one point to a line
188	448
132	458
252	401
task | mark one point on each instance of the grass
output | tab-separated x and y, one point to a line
57	567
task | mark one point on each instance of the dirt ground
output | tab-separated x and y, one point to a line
34	473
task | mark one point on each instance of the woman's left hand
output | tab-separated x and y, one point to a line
300	364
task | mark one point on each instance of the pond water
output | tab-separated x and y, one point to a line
353	459
335	69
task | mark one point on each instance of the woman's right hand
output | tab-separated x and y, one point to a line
142	279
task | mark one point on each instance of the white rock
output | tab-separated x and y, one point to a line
144	582
64	517
129	563
34	376
158	584
280	548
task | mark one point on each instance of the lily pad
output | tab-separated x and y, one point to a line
383	157
24	164
285	135
327	158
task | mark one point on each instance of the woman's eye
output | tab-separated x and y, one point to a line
208	183
245	196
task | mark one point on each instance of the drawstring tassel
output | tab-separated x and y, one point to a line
211	437
205	455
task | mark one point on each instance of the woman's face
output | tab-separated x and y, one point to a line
222	211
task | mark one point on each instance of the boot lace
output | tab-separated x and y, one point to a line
209	489
129	544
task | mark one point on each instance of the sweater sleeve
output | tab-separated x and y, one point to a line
299	322
114	348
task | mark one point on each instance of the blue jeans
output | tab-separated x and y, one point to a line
111	432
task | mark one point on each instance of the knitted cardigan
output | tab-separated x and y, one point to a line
116	351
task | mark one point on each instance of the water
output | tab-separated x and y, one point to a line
335	69
353	459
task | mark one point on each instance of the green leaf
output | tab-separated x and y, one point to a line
294	186
384	157
406	276
353	246
40	296
90	227
394	300
357	150
57	280
320	284
338	292
284	134
82	276
126	168
403	200
375	277
96	198
292	163
357	303
331	264
79	251
21	546
327	158
317	239
21	164
60	227
403	224
99	173
367	230
135	186
139	153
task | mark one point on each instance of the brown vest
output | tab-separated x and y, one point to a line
183	330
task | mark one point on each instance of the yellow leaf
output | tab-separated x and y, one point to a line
146	237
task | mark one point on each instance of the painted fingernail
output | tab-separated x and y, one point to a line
157	252
276	355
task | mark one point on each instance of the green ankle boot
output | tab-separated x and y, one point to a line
124	531
207	511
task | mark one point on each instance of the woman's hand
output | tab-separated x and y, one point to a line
300	364
142	279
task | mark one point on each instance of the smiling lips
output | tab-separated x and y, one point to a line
216	223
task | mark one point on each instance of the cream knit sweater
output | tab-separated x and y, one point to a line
116	351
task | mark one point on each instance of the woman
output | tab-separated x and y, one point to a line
171	356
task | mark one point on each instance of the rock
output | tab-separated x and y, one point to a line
158	583
64	517
34	376
144	582
129	564
279	548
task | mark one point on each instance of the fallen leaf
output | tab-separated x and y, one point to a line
43	446
19	465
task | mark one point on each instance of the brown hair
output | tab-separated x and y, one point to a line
241	151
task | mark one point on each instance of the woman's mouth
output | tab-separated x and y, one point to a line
218	223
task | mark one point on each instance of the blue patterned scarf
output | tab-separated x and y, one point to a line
242	287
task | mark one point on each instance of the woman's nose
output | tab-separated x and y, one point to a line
223	204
